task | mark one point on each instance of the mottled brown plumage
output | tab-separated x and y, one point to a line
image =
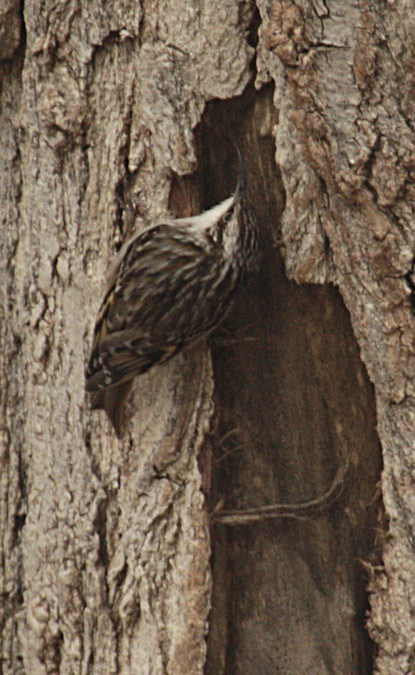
170	285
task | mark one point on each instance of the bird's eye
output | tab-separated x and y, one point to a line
227	217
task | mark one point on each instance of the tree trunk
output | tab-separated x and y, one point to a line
113	115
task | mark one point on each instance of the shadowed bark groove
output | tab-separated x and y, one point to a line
289	597
346	149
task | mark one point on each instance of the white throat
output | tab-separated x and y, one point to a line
207	219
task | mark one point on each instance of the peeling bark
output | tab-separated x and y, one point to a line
348	104
105	544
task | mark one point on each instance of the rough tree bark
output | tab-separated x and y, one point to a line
113	114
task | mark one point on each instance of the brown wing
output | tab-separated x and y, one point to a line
169	290
123	355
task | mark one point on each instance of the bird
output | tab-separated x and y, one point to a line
170	286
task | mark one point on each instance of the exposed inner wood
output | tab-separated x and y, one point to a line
293	401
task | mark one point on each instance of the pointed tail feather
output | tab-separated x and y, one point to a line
112	401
